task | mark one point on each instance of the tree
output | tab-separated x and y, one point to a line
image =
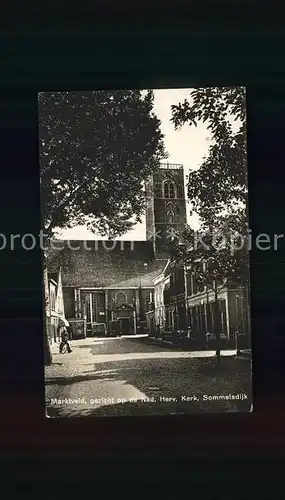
47	351
220	184
217	191
216	260
96	149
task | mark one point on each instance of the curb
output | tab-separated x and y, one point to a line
152	340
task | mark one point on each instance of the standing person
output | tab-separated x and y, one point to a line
158	330
64	340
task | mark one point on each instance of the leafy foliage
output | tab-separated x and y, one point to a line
217	191
96	149
217	258
220	184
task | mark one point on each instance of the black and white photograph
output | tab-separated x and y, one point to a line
145	246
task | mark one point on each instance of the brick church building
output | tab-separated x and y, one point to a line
104	280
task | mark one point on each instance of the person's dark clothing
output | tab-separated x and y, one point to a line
64	341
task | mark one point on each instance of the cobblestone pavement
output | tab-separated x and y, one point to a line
132	376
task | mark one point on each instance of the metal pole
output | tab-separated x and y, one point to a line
90	308
135	323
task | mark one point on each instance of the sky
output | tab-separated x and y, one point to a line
187	146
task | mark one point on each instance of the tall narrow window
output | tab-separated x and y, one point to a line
194	282
170	213
170	216
88	308
94	308
201	286
169	189
52	300
189	283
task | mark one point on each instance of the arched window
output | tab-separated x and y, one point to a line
170	215
121	298
169	189
170	206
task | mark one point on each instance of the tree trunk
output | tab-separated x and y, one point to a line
47	351
217	326
247	307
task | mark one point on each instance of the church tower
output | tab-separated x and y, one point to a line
166	205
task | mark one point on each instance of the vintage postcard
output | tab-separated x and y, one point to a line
145	242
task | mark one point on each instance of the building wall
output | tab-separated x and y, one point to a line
159	303
53	313
149	209
46	293
175	298
238	312
200	313
47	324
54	306
140	298
103	301
92	306
147	296
129	294
69	302
59	297
170	298
232	304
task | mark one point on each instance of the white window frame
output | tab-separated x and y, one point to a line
169	182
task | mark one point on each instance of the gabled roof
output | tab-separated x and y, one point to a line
93	265
165	272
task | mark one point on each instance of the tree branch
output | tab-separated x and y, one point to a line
65	202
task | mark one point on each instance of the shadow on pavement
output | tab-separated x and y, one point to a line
123	345
156	378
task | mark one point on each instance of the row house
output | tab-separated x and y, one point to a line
169	298
182	301
157	317
200	302
54	304
174	298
